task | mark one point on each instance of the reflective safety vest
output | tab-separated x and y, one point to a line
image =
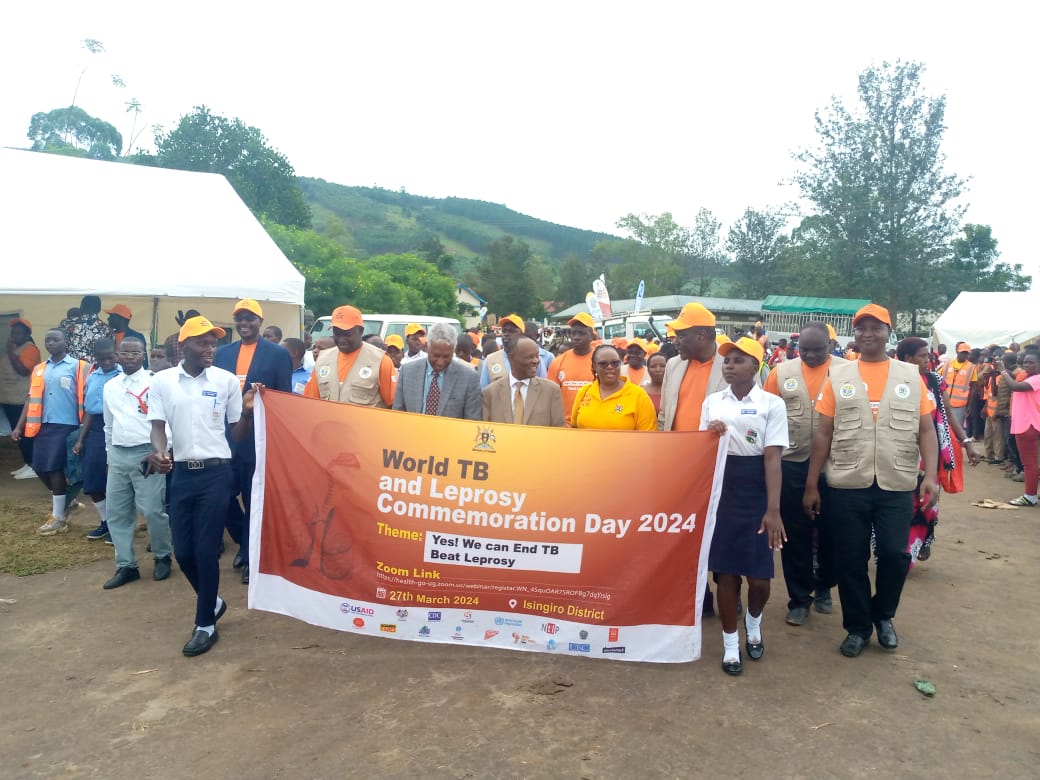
34	414
990	396
959	382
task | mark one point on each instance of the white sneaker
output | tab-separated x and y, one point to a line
25	472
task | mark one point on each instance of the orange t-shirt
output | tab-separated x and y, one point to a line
30	355
245	360
571	372
345	362
875	377
637	376
814	378
691	396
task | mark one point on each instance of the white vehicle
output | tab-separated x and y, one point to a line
634	325
382	325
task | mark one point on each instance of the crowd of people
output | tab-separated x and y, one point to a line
818	434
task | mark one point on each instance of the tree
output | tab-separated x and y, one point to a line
671	246
503	278
261	176
973	265
73	131
757	245
705	258
575	281
433	251
428	290
626	263
876	179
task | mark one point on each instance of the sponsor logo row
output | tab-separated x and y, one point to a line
425	617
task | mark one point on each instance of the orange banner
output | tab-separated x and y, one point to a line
435	529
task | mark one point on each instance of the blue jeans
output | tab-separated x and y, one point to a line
130	492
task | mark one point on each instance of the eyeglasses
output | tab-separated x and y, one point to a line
608	363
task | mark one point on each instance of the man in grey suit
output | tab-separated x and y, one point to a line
538	401
440	384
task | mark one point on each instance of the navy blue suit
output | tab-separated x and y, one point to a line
272	368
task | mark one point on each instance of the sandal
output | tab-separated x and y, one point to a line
1022	501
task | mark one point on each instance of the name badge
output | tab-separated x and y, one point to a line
749	411
210	393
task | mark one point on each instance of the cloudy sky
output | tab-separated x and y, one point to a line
576	112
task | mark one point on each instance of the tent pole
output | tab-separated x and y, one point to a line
155	321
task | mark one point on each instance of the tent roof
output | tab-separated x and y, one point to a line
804	303
982	318
72	226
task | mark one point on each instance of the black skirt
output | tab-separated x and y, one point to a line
737	547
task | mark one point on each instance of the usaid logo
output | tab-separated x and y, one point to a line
353	609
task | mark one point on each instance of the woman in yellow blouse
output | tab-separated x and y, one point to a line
611	401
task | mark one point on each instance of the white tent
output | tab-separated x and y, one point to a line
156	240
982	318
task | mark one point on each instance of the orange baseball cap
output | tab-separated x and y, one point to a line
641	343
652	347
198	326
347	317
879	313
619	343
693	315
582	318
474	337
120	310
414	327
722	338
395	340
19	321
748	346
248	304
513	319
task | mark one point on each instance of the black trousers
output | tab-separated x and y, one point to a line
797	553
887	513
198	506
237	521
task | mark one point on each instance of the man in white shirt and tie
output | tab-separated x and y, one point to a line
129	491
525	399
194	399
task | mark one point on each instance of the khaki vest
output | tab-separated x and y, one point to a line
863	449
801	409
496	366
14	388
361	384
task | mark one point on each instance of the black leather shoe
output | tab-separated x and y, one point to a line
755	650
823	602
239	561
123	575
200	642
797	616
162	569
732	667
245	575
886	634
853	645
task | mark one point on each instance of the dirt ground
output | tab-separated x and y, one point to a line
94	684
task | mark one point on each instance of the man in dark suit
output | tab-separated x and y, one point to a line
119	317
440	384
252	360
524	399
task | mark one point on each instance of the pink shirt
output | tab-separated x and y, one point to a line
1025	407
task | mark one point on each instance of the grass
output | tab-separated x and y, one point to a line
23	552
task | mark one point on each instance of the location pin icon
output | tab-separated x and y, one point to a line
512	603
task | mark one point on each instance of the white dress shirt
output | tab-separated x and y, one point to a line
126	409
195	409
754	422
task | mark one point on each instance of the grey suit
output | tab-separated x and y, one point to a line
543	406
460	390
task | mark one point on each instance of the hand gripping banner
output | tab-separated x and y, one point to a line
406	526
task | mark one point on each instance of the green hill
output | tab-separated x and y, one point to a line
371	221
